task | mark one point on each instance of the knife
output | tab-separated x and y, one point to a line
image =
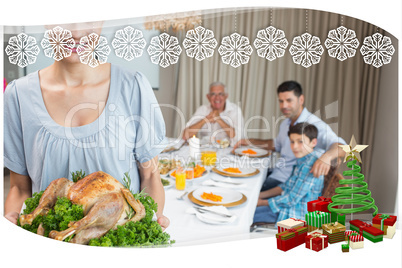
202	210
234	183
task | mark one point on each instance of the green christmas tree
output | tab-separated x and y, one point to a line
355	197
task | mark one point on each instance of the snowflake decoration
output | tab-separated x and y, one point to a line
306	50
341	43
377	50
58	43
271	43
164	50
235	50
200	43
93	50
129	43
22	50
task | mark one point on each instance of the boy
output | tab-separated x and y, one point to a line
289	199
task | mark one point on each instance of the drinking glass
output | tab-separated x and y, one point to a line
208	156
180	178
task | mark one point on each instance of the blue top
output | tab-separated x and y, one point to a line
326	137
299	189
130	129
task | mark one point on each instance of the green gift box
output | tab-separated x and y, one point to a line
318	218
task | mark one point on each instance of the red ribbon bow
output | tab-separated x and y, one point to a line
363	226
325	199
296	219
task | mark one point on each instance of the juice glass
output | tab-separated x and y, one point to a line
208	157
189	175
180	179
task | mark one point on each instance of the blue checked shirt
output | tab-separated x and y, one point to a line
299	189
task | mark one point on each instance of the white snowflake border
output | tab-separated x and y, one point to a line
164	50
200	43
235	50
93	50
129	43
58	43
22	50
271	43
306	50
377	50
341	43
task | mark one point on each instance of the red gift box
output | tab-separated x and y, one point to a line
291	238
321	204
386	219
348	233
316	241
367	230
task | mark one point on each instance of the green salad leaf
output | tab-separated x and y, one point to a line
57	218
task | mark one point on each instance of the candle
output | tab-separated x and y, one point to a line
194	141
194	144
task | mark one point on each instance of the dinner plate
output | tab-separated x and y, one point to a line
172	182
201	203
245	171
203	175
259	152
228	195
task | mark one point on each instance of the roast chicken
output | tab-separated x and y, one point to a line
105	202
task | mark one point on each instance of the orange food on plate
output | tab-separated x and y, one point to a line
198	171
249	151
211	196
232	170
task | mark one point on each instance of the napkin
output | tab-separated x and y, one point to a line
222	184
213	218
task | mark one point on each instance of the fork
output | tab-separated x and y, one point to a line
182	196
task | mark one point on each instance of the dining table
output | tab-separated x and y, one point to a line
187	229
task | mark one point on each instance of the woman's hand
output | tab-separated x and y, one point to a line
163	221
12	216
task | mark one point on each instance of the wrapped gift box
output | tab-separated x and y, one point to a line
321	204
316	219
335	237
345	248
348	233
316	241
290	223
291	238
385	223
341	218
356	241
334	228
368	231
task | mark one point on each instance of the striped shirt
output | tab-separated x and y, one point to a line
299	189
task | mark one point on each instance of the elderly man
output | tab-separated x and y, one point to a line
291	100
219	120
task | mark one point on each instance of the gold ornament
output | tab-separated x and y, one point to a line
353	150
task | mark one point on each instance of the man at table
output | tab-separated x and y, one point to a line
219	120
291	100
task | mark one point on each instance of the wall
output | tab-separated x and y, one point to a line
385	148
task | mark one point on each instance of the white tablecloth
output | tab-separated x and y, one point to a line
188	229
